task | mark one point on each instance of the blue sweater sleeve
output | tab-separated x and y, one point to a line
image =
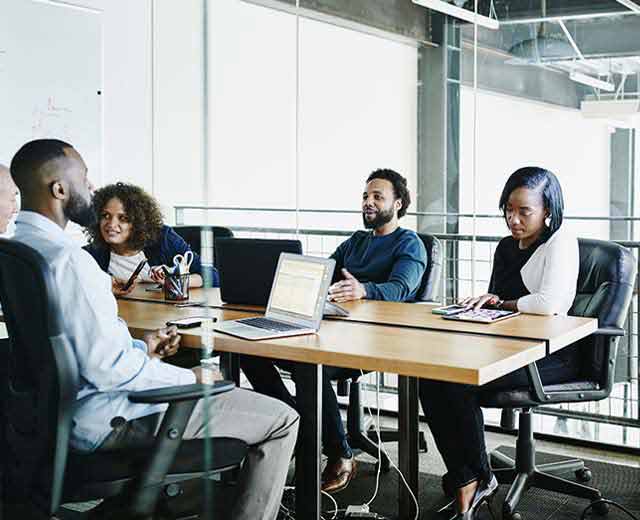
406	274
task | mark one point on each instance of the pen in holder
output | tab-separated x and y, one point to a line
176	286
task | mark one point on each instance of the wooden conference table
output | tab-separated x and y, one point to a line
405	339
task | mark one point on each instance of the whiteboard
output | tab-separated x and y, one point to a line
50	78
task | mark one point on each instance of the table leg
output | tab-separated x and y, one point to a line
408	445
308	457
230	366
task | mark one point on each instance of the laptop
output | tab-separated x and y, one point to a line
247	282
296	300
247	266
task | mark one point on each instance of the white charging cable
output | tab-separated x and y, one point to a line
381	449
377	424
290	515
335	504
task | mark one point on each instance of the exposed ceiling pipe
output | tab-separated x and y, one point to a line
459	12
629	4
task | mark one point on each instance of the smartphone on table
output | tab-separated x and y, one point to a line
190	322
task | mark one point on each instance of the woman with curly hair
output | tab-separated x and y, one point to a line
129	229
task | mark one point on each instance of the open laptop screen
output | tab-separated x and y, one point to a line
300	288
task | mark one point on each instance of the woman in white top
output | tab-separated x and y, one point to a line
535	271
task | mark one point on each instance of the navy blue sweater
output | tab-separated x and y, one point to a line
160	252
390	266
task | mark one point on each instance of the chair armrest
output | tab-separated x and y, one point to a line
609	331
174	394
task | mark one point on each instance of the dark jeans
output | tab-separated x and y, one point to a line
456	420
265	379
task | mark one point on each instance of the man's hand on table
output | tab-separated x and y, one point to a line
162	343
347	290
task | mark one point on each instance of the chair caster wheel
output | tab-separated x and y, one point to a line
601	508
583	475
511	516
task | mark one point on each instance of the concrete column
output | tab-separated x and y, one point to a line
439	140
622	146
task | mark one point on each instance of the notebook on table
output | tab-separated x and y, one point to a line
482	315
296	300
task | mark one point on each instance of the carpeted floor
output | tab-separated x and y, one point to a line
616	482
619	483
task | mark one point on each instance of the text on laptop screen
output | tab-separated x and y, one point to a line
297	287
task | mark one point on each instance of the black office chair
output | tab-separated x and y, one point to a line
363	436
192	235
605	287
39	392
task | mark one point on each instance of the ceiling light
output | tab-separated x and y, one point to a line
590	81
69	5
630	5
459	12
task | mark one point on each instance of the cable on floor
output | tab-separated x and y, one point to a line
610	503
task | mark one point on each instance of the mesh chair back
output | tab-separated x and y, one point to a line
40	386
429	285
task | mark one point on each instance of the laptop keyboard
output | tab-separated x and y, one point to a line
267	324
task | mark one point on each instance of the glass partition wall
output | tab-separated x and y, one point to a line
310	97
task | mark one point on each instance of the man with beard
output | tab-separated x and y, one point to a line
385	262
55	189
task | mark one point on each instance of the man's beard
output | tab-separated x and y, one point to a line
80	211
382	217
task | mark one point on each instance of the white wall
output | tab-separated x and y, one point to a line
513	133
252	106
178	113
358	113
356	107
127	91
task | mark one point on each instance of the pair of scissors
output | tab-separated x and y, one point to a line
184	261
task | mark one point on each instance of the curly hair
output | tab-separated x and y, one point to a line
141	208
399	183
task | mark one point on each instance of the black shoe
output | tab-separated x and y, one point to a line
484	494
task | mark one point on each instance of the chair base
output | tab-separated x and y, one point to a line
523	473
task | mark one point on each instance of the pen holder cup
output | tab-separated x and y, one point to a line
176	287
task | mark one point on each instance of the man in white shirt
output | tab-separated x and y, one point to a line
55	189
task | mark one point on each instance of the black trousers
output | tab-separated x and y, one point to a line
456	422
265	379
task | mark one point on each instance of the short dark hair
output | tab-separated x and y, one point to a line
400	190
31	157
141	208
536	178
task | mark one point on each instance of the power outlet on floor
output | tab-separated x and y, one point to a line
359	512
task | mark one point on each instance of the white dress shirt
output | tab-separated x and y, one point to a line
551	276
110	362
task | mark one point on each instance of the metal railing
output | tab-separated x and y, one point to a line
622	408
